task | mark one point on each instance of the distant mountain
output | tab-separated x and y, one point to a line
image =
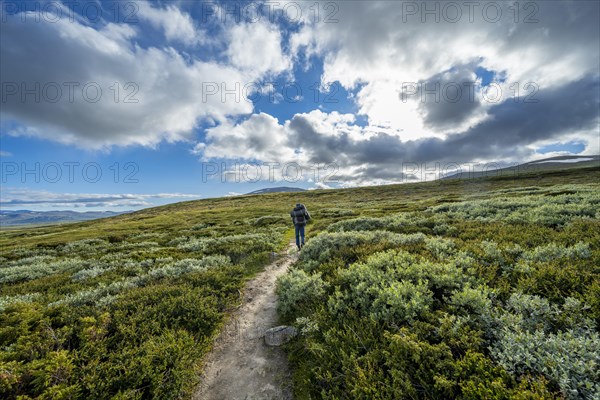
277	190
559	162
28	217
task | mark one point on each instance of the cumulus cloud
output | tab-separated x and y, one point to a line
379	40
257	49
98	88
365	156
373	49
176	24
260	137
455	103
509	129
376	47
320	185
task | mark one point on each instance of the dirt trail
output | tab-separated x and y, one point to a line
241	366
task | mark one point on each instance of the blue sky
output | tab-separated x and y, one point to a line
194	102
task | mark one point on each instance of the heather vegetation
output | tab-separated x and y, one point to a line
453	289
124	308
492	295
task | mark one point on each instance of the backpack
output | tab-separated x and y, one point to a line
299	215
300	218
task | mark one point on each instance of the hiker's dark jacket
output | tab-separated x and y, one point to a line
300	215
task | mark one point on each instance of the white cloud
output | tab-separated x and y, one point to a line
378	46
256	48
19	198
320	185
260	137
176	25
372	50
281	152
588	137
158	95
371	155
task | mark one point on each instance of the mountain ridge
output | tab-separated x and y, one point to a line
30	217
545	164
278	189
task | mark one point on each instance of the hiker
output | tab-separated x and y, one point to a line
299	217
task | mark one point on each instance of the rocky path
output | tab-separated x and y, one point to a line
241	366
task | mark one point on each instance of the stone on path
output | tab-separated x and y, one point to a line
279	335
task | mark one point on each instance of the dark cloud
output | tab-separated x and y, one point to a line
448	99
322	147
565	109
93	86
386	173
372	34
512	126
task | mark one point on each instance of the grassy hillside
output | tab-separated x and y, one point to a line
547	164
420	290
492	292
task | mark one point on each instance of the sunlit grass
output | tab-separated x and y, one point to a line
127	306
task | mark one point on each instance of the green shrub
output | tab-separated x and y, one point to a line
554	251
441	248
298	290
403	222
267	220
329	245
487	313
39	267
553	211
333	213
569	359
5	301
236	247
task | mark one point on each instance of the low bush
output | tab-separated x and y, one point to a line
267	220
236	247
566	358
299	290
486	298
119	319
344	244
